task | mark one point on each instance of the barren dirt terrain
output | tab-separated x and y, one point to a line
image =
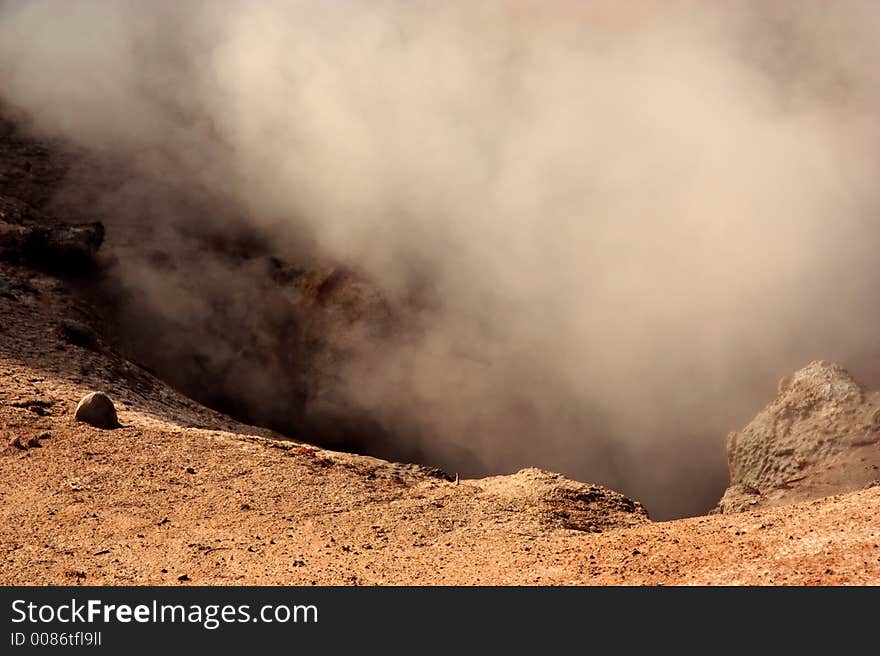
181	494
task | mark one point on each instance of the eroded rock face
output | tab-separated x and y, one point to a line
820	436
563	503
97	410
50	246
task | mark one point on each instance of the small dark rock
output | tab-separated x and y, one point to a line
78	334
51	246
183	577
16	443
190	470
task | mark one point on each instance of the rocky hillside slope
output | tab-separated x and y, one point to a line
182	492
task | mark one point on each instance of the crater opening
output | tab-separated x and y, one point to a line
588	237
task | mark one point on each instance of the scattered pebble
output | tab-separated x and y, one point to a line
16	442
78	334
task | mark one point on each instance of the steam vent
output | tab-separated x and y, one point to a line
438	294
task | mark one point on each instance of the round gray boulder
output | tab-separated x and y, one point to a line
97	410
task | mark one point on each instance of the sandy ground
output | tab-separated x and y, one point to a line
182	495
